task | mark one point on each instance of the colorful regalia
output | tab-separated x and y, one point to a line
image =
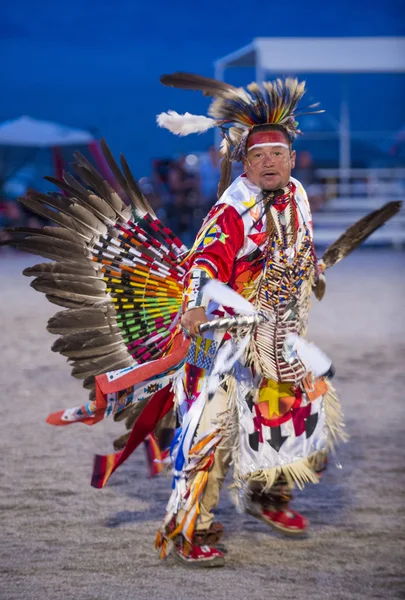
257	396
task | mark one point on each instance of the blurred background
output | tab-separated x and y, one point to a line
91	69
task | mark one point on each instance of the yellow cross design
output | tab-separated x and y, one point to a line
271	394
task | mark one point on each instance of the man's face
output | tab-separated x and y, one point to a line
269	167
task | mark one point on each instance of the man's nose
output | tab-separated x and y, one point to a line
268	160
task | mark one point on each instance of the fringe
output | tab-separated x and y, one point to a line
201	460
334	418
230	427
298	473
303	471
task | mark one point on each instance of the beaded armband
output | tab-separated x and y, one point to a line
193	293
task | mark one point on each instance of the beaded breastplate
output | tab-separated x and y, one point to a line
283	294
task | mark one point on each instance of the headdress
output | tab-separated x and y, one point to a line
237	111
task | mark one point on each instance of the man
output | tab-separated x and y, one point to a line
137	301
267	166
267	416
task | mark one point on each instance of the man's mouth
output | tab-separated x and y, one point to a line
268	174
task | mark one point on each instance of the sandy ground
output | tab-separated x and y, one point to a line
62	539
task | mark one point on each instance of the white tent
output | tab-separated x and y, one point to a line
31	133
25	141
320	55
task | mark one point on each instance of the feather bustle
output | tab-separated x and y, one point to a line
118	279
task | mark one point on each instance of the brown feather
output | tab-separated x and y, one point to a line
92	175
58	268
67	280
89	383
93	203
95	183
54	199
75	184
57	217
20	233
88	346
319	288
137	197
68	207
124	414
70	321
64	302
87	218
73	191
112	362
67	298
104	190
90	289
190	81
116	171
120	442
102	208
62	233
54	249
89	337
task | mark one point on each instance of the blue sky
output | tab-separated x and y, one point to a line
97	64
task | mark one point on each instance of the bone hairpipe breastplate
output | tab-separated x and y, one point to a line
283	296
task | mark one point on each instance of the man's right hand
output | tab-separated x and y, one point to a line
192	319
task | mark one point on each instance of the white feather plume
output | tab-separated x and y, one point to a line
226	296
223	148
184	124
313	357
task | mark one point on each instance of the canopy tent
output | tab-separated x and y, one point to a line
22	139
28	132
320	55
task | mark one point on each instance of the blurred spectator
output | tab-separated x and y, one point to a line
12	212
397	149
160	175
182	183
210	171
305	173
183	211
304	169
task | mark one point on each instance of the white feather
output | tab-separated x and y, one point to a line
223	148
226	296
184	124
313	358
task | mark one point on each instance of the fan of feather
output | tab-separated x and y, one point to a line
115	269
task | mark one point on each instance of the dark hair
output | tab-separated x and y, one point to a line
270	127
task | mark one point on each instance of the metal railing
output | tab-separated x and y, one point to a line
369	183
352	193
